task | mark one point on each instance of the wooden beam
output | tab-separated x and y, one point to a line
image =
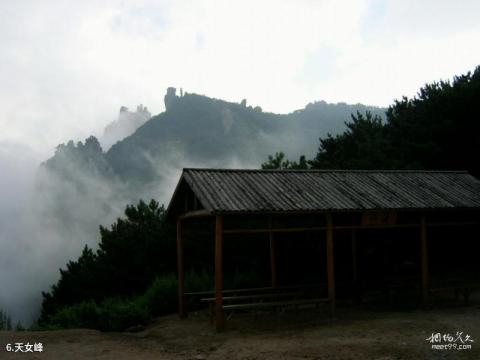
279	230
181	271
196	213
354	256
330	264
339	227
273	260
424	259
219	314
355	282
464	223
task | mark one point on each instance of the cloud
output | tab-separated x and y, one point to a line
66	68
17	169
45	221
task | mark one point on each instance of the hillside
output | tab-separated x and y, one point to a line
200	131
195	131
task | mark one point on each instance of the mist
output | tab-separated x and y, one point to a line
47	218
22	254
45	221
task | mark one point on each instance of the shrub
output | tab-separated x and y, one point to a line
118	314
113	314
203	281
82	315
161	297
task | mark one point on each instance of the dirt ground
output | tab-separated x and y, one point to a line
355	334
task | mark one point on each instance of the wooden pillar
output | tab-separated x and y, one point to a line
219	314
355	283
273	262
181	271
424	259
330	264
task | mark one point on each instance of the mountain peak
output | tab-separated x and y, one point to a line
126	124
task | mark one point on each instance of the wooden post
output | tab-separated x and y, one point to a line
330	264
219	314
356	287
273	263
424	260
181	271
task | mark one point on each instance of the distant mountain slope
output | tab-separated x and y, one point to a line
211	132
125	125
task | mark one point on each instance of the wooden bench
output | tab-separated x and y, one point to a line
256	295
256	298
194	297
230	291
459	288
276	304
261	290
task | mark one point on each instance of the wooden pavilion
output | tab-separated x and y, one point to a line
322	202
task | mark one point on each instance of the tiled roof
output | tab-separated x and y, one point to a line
222	190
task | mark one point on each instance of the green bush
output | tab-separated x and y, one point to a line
118	314
161	297
82	315
113	314
204	281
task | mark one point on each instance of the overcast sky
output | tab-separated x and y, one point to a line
67	66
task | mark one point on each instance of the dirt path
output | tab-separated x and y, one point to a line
356	334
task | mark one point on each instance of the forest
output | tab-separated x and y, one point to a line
438	129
